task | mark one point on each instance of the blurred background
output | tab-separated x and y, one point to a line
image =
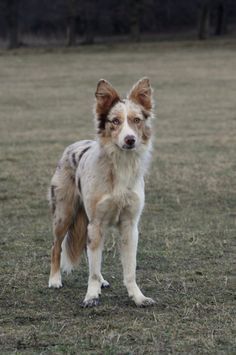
76	22
186	257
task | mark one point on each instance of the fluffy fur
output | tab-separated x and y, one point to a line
101	183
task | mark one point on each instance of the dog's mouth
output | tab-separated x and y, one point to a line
128	147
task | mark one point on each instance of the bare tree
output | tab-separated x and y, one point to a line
89	12
135	7
220	26
71	23
204	19
12	19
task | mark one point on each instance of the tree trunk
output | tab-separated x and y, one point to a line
204	19
89	18
71	27
135	20
12	12
220	27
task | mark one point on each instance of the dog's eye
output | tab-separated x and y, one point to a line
137	120
116	121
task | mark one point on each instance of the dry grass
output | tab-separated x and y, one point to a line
187	243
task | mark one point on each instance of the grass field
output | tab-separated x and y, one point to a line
186	258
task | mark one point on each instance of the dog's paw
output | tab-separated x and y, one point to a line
93	302
145	302
56	284
55	281
105	284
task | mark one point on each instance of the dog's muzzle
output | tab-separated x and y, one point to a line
129	142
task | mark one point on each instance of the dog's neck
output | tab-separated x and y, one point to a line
126	166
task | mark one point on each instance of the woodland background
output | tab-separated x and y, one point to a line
74	22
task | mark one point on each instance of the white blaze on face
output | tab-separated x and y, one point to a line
126	131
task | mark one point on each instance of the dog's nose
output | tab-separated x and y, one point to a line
130	141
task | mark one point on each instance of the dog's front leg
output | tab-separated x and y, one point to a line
94	252
129	242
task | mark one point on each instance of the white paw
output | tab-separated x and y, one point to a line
93	302
105	284
55	281
144	302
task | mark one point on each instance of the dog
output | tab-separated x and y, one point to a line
100	183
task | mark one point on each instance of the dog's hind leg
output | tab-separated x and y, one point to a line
62	204
55	273
59	235
60	227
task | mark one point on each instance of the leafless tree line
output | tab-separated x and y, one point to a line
204	11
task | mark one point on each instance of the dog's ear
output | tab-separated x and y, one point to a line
106	96
141	94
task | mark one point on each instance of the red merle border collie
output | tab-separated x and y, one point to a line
100	183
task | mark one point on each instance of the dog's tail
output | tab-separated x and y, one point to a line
74	242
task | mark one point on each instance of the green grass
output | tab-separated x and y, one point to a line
186	258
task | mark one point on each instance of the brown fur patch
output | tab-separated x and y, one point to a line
53	199
102	119
55	256
145	114
77	235
106	97
62	219
141	93
141	128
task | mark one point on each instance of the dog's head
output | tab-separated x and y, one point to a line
124	123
